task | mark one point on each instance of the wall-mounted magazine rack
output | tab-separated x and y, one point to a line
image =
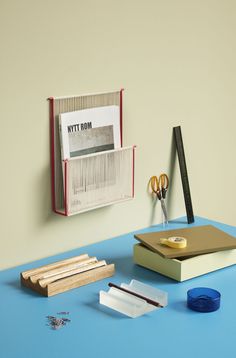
89	181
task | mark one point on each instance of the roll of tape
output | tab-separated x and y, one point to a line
176	242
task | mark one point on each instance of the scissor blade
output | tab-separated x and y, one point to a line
163	206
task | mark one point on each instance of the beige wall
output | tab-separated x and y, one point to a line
176	60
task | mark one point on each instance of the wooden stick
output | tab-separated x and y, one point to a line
27	274
79	280
61	269
148	300
46	281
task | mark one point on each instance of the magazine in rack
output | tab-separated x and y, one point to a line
89	131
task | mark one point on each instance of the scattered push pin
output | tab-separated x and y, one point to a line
56	323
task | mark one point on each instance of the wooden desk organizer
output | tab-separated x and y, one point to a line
64	275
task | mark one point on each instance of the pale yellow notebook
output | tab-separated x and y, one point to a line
200	240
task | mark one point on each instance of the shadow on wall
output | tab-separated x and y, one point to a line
43	187
171	174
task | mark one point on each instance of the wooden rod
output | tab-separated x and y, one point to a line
27	274
62	269
46	281
148	300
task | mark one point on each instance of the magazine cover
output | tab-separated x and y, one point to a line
89	131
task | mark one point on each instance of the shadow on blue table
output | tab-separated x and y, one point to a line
16	285
127	270
179	306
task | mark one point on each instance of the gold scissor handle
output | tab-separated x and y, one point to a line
164	184
154	184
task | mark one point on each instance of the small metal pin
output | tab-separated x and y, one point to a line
56	323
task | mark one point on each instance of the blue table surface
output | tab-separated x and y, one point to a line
96	330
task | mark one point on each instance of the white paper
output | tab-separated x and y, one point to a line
89	131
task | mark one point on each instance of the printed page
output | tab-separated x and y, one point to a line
89	131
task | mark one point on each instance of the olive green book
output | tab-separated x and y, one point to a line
200	240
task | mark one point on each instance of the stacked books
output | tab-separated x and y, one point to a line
208	249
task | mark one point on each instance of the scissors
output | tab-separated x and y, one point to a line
159	187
